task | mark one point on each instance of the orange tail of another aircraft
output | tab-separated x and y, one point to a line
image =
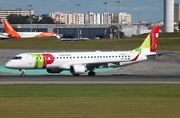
10	31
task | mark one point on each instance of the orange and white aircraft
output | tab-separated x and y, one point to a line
11	33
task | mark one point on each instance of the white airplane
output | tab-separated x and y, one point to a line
11	33
81	62
3	36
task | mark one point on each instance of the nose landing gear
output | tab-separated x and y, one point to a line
22	73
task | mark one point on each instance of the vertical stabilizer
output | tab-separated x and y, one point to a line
150	43
10	31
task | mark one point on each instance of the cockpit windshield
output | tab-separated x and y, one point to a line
17	58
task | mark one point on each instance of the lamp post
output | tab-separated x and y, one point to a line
77	18
118	1
30	18
105	3
105	6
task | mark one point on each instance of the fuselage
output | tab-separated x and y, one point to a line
64	60
30	34
4	36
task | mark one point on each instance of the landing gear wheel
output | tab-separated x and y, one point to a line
75	74
22	73
91	73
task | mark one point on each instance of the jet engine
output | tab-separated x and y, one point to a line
77	69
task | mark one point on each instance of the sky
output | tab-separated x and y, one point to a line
141	10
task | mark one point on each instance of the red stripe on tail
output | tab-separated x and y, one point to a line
154	38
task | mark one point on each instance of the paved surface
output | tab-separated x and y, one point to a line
84	79
164	69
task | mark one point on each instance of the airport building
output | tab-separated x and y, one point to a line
6	12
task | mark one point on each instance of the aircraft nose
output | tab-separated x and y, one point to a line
8	64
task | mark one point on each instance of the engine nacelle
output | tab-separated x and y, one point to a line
77	69
54	70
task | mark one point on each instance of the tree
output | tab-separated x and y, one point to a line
46	20
115	18
19	19
114	31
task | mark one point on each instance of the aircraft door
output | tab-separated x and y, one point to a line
30	59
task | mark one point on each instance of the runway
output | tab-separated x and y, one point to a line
162	70
84	79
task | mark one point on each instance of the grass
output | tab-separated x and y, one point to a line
167	42
89	100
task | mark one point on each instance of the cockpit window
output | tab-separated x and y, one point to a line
17	58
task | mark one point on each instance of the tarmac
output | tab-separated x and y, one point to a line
164	69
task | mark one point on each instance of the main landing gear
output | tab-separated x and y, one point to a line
22	73
91	73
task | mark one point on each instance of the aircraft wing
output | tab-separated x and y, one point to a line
105	64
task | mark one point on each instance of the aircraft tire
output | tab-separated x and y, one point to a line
91	73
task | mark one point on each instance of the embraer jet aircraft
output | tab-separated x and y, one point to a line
81	62
11	33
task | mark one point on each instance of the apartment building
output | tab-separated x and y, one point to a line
59	17
89	18
177	12
6	12
92	18
106	18
124	18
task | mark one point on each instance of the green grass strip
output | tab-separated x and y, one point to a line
50	43
89	100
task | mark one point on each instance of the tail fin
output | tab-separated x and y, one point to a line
150	43
55	30
10	31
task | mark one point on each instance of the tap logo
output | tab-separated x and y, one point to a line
42	60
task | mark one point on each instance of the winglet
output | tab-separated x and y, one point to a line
9	30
